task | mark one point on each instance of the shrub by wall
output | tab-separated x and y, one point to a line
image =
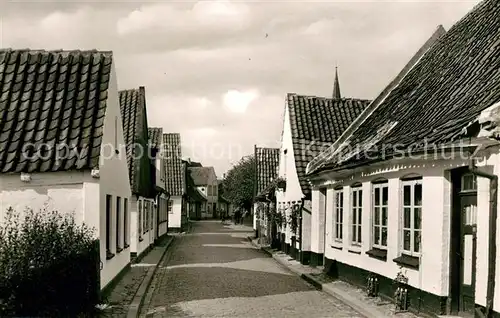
49	265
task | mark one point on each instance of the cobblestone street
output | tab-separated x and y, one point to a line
215	272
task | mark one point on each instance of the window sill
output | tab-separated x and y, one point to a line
118	250
141	239
337	245
407	261
354	251
109	255
378	253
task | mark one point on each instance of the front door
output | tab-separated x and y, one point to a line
463	243
468	207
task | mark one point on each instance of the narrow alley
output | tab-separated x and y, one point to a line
215	272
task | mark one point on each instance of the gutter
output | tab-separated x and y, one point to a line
490	291
425	153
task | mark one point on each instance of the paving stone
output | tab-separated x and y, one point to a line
230	281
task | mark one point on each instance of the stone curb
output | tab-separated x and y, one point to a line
367	311
138	300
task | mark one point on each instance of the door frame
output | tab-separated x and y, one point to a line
456	244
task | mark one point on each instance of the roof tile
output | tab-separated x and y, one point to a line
266	167
52	99
155	137
316	122
200	175
456	79
174	167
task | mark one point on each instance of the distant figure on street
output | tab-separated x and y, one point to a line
244	216
223	217
237	216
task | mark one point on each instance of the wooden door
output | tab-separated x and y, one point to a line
467	251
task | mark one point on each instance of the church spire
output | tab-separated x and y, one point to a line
336	86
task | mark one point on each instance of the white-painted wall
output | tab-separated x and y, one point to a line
305	236
288	171
160	176
78	191
163	227
60	191
174	218
318	221
434	272
114	178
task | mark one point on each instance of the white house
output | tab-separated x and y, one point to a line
162	196
310	125
59	151
142	202
176	186
205	180
266	171
412	185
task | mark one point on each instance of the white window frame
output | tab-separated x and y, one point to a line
356	215
412	228
338	210
379	227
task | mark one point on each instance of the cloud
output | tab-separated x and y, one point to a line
237	101
204	16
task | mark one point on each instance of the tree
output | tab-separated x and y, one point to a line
238	185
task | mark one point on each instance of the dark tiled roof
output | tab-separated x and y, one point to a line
316	122
456	79
55	99
192	163
155	136
134	121
200	175
174	167
194	195
266	167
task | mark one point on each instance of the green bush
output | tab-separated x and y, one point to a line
49	265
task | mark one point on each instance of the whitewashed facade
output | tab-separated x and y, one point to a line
85	193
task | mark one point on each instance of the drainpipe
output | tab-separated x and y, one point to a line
300	229
490	291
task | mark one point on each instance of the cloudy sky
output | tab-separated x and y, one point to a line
211	73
